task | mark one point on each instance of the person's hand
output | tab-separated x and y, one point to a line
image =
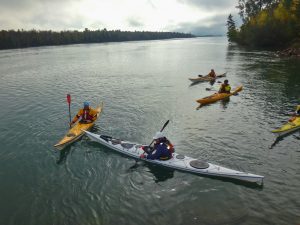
142	156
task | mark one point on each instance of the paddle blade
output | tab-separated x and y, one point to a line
166	123
69	98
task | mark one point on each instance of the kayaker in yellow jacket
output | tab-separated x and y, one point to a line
225	87
86	114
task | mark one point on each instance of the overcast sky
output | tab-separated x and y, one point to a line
199	17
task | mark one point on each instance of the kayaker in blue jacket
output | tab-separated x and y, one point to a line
162	148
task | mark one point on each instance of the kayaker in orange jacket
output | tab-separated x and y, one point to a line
86	114
225	87
212	74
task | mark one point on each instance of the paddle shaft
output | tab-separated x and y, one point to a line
69	103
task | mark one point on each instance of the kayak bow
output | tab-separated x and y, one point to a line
177	162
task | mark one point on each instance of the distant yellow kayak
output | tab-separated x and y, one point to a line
77	131
288	127
218	96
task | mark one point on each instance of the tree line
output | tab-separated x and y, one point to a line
21	38
266	23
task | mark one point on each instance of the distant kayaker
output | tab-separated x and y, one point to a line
162	148
212	74
86	114
225	87
297	112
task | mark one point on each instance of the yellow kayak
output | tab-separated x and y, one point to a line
218	96
77	131
288	127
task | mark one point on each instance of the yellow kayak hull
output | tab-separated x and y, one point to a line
288	127
218	96
76	131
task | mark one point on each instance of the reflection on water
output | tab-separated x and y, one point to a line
281	138
63	155
160	174
224	102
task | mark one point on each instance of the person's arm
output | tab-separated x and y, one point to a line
93	114
78	115
156	154
221	88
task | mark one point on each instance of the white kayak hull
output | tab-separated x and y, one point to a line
178	162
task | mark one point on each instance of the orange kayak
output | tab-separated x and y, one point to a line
76	131
218	96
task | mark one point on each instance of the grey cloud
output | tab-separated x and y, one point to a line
210	4
211	26
134	22
25	4
38	14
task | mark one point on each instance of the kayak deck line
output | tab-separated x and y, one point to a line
177	162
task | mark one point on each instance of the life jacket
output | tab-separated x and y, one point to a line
170	147
86	114
212	74
225	88
166	157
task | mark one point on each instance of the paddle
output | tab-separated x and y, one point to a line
210	89
69	103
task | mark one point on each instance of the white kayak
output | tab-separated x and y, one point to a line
178	162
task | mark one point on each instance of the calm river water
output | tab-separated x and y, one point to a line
143	84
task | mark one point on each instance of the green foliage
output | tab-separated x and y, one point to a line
269	22
231	29
22	39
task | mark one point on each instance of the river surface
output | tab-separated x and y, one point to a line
142	85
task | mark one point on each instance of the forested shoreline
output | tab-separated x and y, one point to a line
267	23
10	39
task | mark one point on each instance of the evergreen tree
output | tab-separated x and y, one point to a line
231	29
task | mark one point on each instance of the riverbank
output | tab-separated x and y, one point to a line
290	52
